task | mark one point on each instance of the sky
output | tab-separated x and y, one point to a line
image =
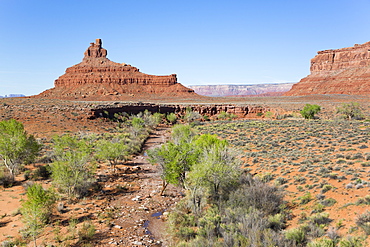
204	42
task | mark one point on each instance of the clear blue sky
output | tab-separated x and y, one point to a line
203	42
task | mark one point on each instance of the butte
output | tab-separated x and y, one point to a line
98	78
340	71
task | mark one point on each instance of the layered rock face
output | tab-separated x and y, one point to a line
241	111
242	90
340	71
97	78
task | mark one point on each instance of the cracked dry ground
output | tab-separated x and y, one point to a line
134	208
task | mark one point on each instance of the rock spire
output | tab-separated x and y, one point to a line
98	78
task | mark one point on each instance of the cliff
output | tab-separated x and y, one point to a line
242	90
98	78
340	71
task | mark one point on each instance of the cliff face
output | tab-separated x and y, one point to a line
340	71
98	78
242	90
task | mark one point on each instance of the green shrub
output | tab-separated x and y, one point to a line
171	118
86	233
350	111
297	235
309	111
16	146
36	210
306	198
326	188
320	218
351	242
363	221
324	242
72	172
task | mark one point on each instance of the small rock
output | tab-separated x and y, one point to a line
118	227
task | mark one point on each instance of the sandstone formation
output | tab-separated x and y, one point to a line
98	78
340	71
273	89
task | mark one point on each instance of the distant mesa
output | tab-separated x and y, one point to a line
98	78
266	89
340	71
13	96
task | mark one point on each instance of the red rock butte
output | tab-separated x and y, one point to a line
98	78
340	71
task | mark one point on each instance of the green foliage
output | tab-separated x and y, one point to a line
277	221
225	115
175	161
217	169
16	146
351	242
42	172
326	188
71	171
252	192
6	179
320	218
350	111
363	221
182	134
306	198
36	210
171	118
86	233
309	111
191	115
137	122
324	242
269	114
297	235
112	150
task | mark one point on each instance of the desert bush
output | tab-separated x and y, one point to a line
320	218
326	188
297	235
324	242
36	210
318	208
72	173
306	198
40	173
269	114
254	193
112	150
225	115
309	111
276	222
16	146
191	115
350	111
6	179
217	170
171	118
328	202
363	221
351	241
86	233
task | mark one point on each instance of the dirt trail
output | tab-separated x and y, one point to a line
140	209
